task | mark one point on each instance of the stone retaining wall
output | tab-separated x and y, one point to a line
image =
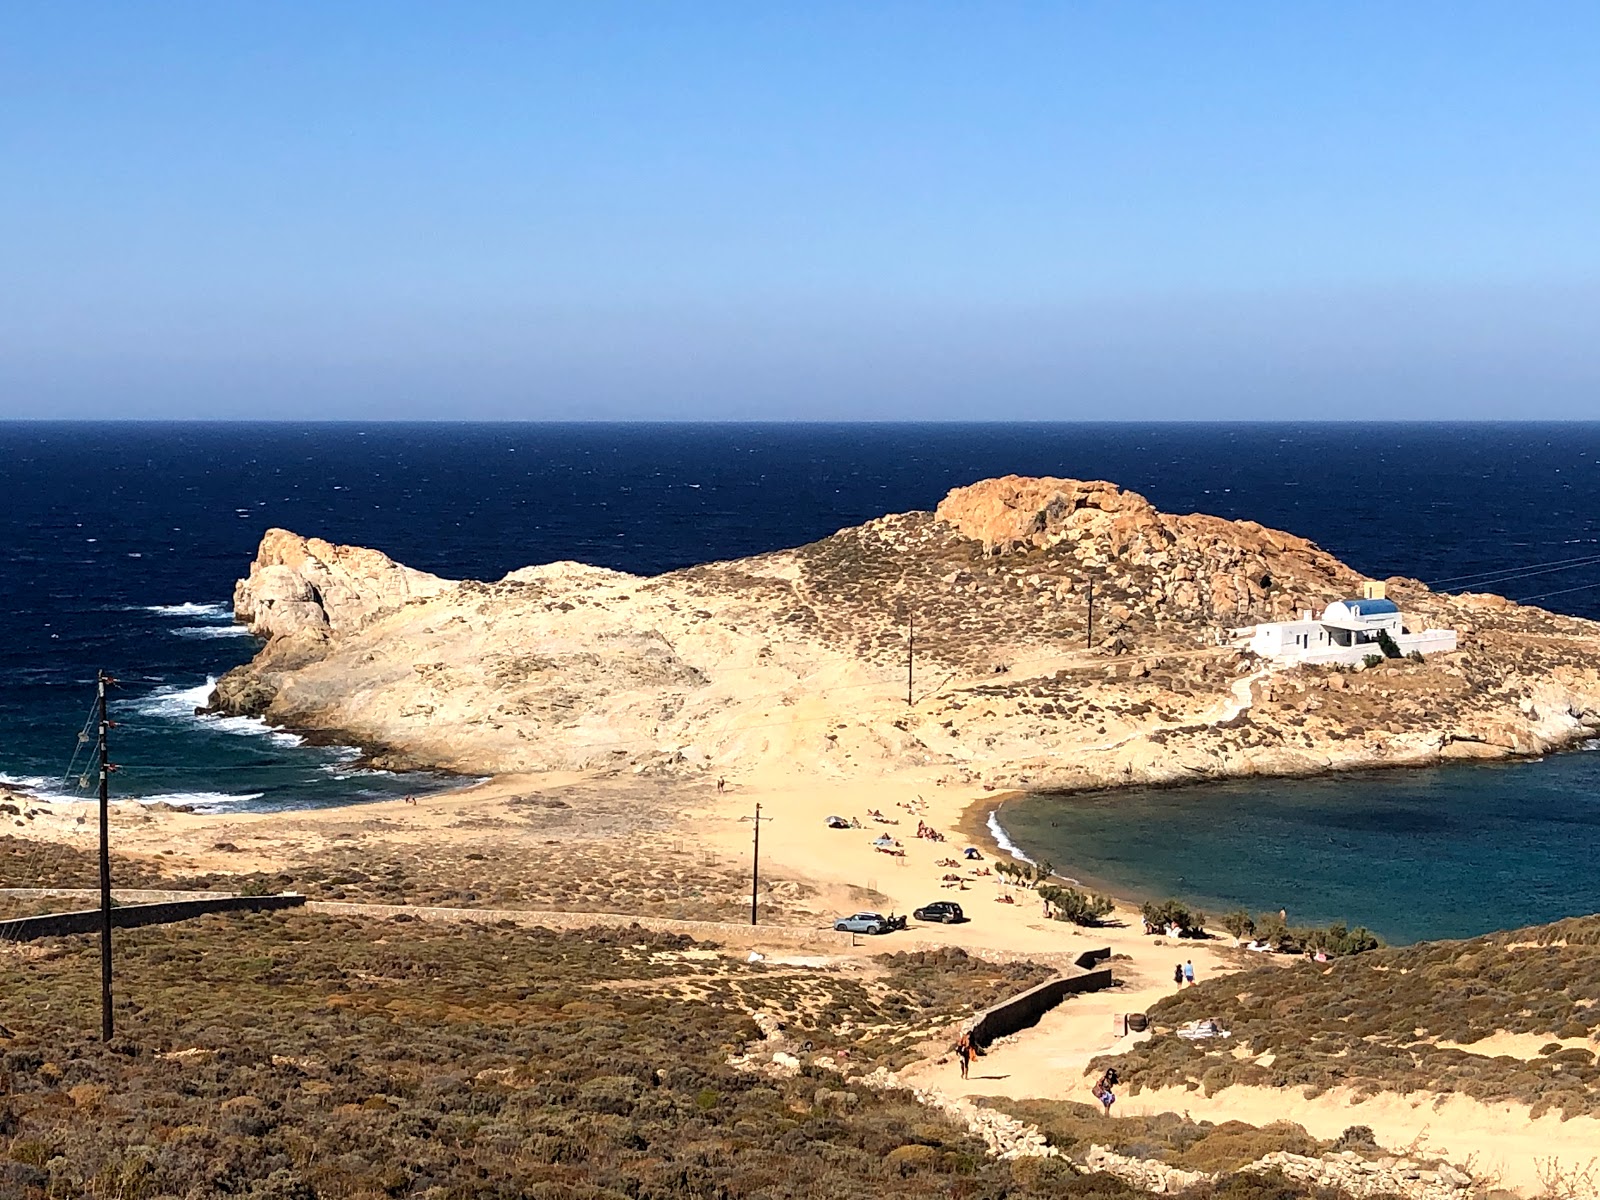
1025	1008
130	916
120	895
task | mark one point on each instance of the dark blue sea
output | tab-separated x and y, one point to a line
121	544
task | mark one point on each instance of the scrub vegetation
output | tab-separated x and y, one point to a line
295	1056
1401	1019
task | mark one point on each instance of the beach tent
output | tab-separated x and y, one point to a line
972	852
838	823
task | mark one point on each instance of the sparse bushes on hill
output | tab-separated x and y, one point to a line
299	1057
1380	1020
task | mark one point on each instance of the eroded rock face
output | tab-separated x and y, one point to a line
1017	512
299	584
1195	563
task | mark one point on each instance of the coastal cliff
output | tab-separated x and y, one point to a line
797	660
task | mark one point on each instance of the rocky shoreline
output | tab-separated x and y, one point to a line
798	659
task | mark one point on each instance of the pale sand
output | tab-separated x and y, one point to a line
1048	1061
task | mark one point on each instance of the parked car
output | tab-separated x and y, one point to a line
946	912
869	922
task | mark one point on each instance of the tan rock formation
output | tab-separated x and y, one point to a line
796	660
298	584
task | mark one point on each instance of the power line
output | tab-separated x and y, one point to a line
1560	592
1481	577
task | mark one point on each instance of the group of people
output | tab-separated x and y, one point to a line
924	830
1183	974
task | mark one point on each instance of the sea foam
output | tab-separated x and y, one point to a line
210	631
1001	839
214	612
203	801
180	703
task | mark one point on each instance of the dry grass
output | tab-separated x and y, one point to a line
297	1057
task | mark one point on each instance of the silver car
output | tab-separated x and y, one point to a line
862	922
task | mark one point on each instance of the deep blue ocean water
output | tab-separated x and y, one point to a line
121	544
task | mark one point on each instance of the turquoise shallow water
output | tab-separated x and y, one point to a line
1440	852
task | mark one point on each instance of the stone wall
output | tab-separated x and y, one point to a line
130	916
1025	1008
118	895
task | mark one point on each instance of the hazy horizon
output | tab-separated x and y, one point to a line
718	212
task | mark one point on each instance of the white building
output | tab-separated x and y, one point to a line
1347	632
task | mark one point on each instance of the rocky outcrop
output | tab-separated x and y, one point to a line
797	659
1228	568
1347	1171
299	584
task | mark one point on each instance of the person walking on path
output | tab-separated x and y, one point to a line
964	1051
1102	1089
1177	974
1188	973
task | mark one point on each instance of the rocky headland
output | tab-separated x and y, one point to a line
797	660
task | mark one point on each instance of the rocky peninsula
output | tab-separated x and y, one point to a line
797	661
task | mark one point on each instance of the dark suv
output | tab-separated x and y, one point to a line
946	912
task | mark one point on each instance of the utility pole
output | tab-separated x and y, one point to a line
1088	640
755	860
105	681
911	649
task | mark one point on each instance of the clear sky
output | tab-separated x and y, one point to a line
802	210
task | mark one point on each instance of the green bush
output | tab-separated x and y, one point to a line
1069	904
1191	922
1239	924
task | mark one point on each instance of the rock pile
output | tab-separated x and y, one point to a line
1346	1170
1008	1138
1003	1136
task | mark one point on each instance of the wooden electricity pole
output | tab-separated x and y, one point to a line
755	860
105	681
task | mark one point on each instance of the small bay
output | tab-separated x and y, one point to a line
1435	852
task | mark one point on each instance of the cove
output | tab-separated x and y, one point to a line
1438	852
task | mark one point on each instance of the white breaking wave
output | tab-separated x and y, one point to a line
181	702
210	631
39	785
254	727
205	801
173	701
215	612
1003	840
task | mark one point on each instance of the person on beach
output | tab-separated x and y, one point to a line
1188	973
1102	1089
1177	974
964	1051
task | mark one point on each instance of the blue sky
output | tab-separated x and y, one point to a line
799	211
